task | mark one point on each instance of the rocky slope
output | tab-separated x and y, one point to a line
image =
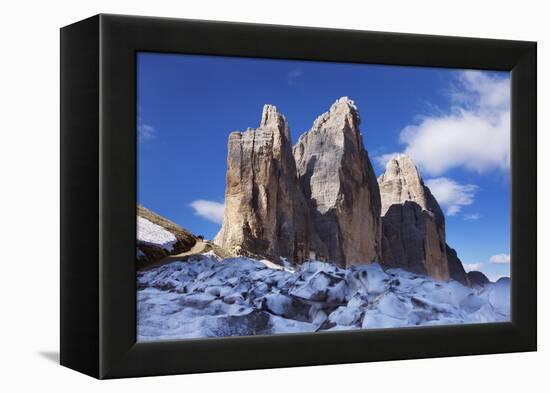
338	181
210	297
158	237
265	211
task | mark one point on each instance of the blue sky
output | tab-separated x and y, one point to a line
453	123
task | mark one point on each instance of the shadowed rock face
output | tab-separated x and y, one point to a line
410	240
412	221
338	182
456	269
265	212
477	279
414	225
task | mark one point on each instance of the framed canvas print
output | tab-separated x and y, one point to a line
238	196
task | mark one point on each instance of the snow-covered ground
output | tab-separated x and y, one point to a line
210	297
155	235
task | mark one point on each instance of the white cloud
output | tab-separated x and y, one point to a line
210	210
146	132
472	217
474	134
293	75
500	258
450	194
472	266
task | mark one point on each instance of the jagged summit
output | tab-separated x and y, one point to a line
271	117
318	200
341	112
413	224
345	103
265	212
402	182
338	181
397	163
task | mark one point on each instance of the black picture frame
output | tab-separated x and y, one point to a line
98	196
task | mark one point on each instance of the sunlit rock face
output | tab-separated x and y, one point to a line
265	212
339	184
320	200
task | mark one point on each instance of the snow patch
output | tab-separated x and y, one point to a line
152	234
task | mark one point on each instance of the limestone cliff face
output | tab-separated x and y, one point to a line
414	225
321	200
339	185
402	182
265	212
412	221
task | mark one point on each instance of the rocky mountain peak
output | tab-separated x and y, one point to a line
338	181
272	118
321	200
265	212
398	165
413	224
343	116
344	104
401	182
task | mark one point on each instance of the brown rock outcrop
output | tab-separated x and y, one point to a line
265	212
413	224
151	252
339	184
456	269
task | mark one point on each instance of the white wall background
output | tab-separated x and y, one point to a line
29	194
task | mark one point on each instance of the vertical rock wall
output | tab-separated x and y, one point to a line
321	200
340	186
413	223
265	212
